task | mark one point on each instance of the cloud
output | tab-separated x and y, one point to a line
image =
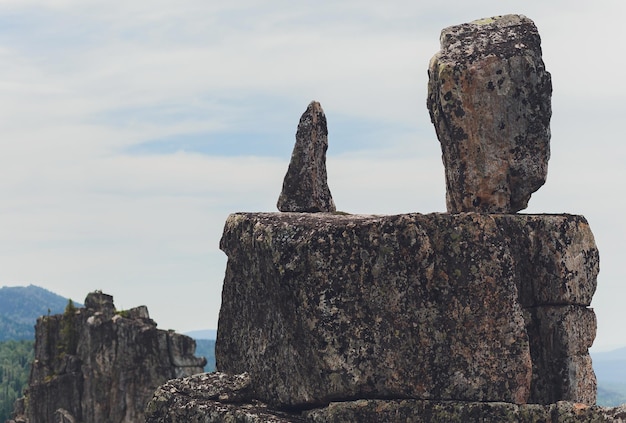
129	131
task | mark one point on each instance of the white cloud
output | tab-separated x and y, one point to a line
82	81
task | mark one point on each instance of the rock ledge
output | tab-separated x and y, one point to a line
172	403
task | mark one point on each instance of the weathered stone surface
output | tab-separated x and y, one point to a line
172	404
558	259
19	410
489	97
101	303
209	397
63	416
95	364
313	304
451	411
560	337
305	187
366	411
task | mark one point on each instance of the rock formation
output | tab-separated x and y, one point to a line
305	188
439	317
455	306
489	99
96	364
460	317
216	397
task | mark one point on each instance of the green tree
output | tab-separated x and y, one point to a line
15	360
69	333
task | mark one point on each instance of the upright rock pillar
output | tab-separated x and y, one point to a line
305	188
489	97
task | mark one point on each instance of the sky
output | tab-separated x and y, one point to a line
129	131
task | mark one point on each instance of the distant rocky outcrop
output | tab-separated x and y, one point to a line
97	364
477	315
489	97
305	188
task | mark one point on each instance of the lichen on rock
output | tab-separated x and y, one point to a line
489	97
313	304
305	187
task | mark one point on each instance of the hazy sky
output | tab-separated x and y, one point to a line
129	130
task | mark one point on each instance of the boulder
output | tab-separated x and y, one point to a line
324	307
489	97
305	187
210	397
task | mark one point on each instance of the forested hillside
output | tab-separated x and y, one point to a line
10	329
20	306
15	359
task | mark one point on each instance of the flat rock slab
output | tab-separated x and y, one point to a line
329	307
458	412
489	97
196	400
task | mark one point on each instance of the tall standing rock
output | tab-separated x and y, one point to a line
489	97
305	188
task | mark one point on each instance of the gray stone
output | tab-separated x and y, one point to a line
560	337
171	404
489	97
100	303
305	187
313	303
416	411
209	397
95	364
563	264
558	264
63	416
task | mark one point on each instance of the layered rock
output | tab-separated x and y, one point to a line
327	307
217	398
489	97
96	364
305	187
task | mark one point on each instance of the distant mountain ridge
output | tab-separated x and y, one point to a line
20	306
610	370
616	354
203	334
